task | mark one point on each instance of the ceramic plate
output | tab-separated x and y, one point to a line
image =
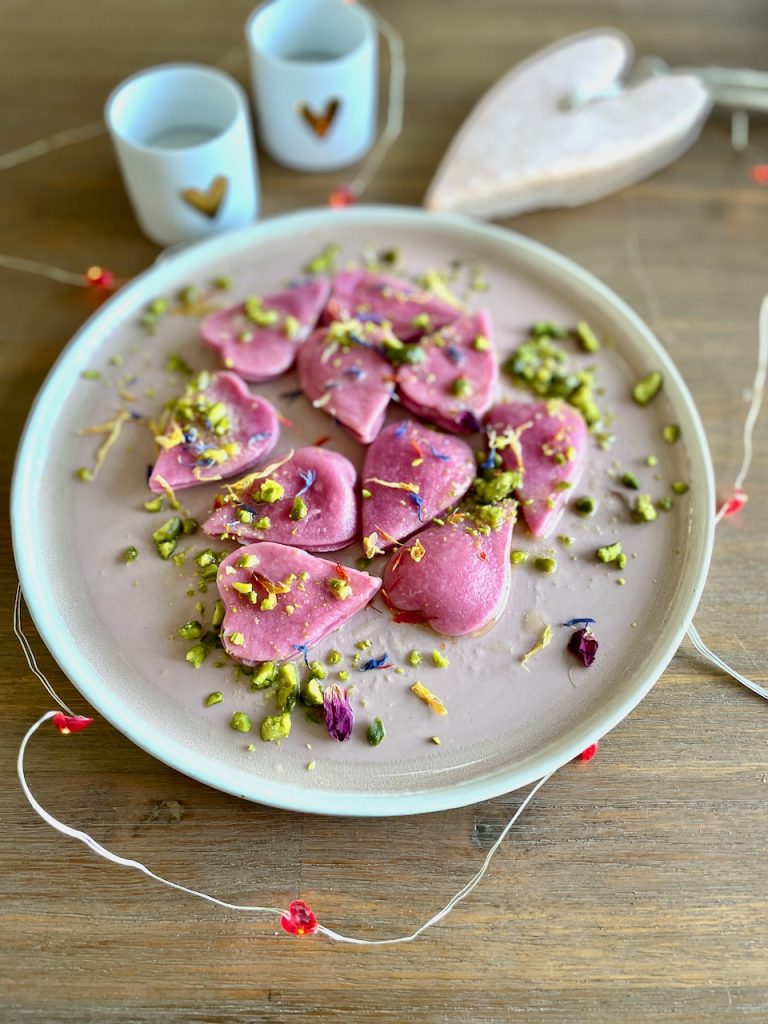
111	626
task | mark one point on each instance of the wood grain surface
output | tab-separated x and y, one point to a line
634	888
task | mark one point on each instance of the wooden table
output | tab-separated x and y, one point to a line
634	887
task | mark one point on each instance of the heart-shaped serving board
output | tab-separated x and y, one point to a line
112	625
537	139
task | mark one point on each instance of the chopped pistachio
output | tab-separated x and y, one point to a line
647	388
436	740
490	515
311	765
240	722
84	474
461	388
609	553
621	581
268	603
270	491
190	526
544	564
130	554
585	506
311	693
679	487
671	433
191	630
340	589
644	511
275	727
288	686
422	322
263	523
518	557
326	260
414	658
481	343
196	655
439	660
564	538
363	645
90	375
664	504
376	732
188	294
334	657
155	504
343	675
631	481
247	562
242	587
651	460
498	487
621	561
165	536
214	698
175	364
244	515
298	509
236	639
546	329
365	492
318	670
218	613
586	337
223	283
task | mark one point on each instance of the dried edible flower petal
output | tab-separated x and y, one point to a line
339	716
429	698
583	644
540	644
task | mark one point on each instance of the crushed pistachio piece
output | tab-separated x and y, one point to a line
334	657
651	460
422	322
191	630
518	557
643	510
646	389
343	675
544	564
311	693
586	337
214	698
318	670
679	487
414	658
236	639
90	375
165	536
621	581
325	261
240	722
264	675
429	698
268	603
84	474
340	589
481	343
664	504
363	645
275	727
269	492
671	433
247	562
365	492
461	388
311	765
263	523
222	282
130	554
439	660
564	538
196	655
291	327
631	481
288	687
376	732
436	740
218	613
298	509
155	504
585	506
609	553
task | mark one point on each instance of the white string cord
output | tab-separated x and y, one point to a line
702	648
42	270
29	655
83	133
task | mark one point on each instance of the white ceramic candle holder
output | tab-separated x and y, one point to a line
313	73
183	139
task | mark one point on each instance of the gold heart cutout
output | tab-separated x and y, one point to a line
320	123
207	201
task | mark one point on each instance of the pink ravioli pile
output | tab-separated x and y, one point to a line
361	341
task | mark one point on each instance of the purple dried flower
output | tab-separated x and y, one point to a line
339	715
583	644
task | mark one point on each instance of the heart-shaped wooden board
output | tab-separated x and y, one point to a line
527	145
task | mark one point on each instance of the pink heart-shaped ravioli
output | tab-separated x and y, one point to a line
312	597
361	293
325	482
557	130
454	578
455	383
350	381
554	450
259	350
436	469
217	430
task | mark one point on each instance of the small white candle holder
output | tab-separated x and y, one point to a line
314	79
183	139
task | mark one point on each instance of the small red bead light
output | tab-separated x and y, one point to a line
759	174
341	197
735	503
99	277
589	753
300	920
67	724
